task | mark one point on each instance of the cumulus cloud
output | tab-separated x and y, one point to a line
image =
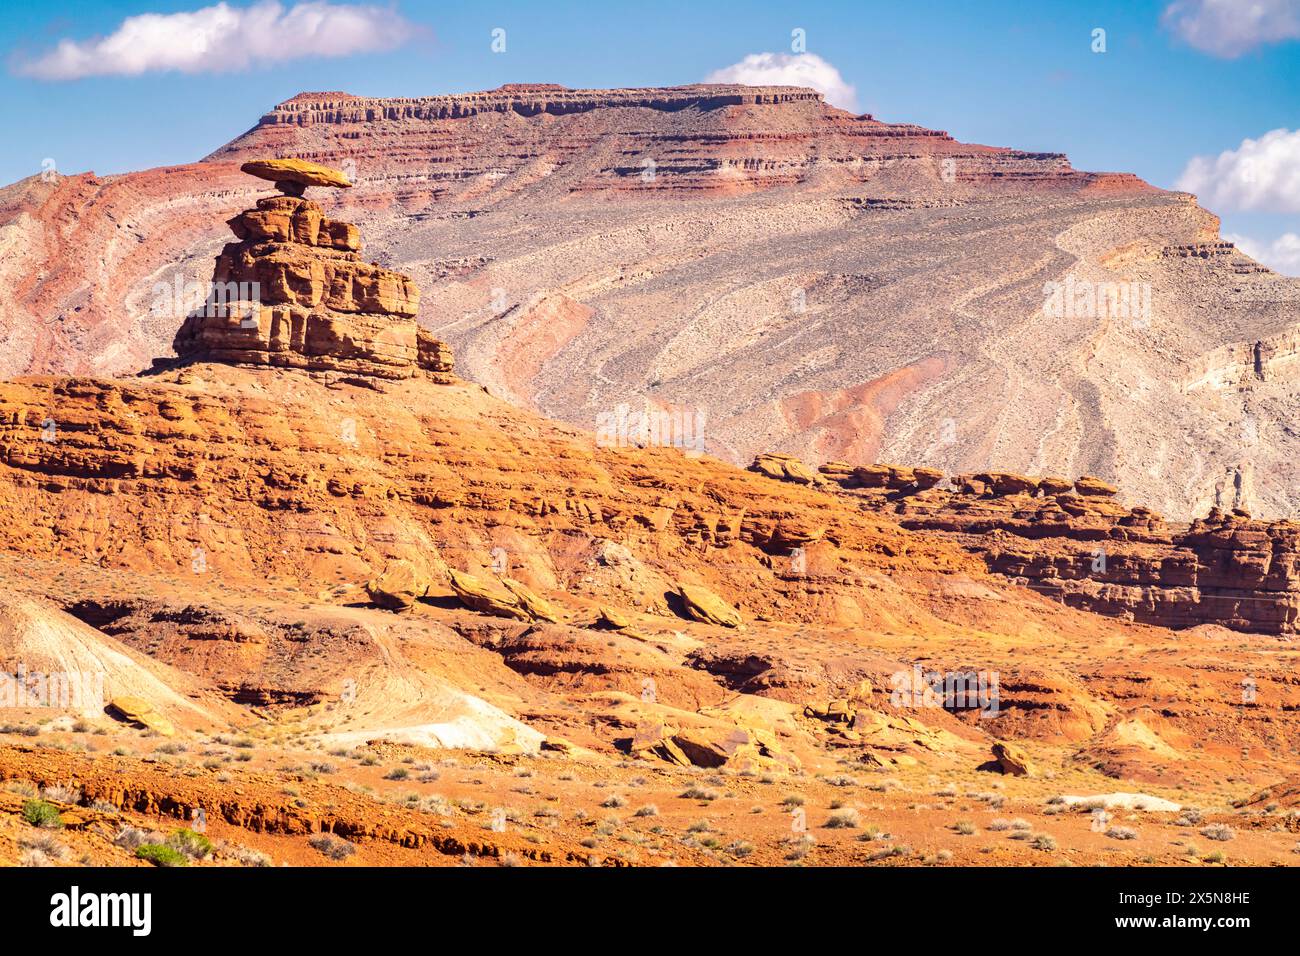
1261	174
1281	255
789	69
223	38
1229	28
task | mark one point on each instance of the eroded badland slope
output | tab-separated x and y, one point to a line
336	604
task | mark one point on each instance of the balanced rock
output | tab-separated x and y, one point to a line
294	292
292	176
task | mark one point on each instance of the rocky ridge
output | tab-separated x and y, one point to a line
1073	541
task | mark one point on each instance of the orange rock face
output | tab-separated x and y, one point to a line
1074	542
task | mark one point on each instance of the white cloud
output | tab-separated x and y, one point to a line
223	38
1229	28
1281	255
1261	174
789	69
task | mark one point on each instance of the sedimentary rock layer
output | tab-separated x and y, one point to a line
294	292
1074	542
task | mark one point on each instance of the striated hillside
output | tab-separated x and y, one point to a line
343	605
806	280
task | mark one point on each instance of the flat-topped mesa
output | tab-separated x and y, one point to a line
527	99
294	292
719	135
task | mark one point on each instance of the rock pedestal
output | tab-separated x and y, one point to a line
294	292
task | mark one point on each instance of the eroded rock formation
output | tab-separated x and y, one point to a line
294	291
1073	541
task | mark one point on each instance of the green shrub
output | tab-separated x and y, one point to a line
39	813
194	845
160	855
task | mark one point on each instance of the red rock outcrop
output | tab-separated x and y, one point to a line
1074	542
690	159
295	292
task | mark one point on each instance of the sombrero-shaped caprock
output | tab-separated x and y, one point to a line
292	176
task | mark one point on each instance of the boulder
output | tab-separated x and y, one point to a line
702	749
1006	483
398	586
478	595
612	618
785	468
839	471
891	477
1011	759
1053	485
925	478
652	738
701	604
735	747
1091	487
791	533
537	608
887	759
139	711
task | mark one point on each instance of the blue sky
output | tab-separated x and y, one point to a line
1015	74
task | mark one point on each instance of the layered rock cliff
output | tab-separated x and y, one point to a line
1072	541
